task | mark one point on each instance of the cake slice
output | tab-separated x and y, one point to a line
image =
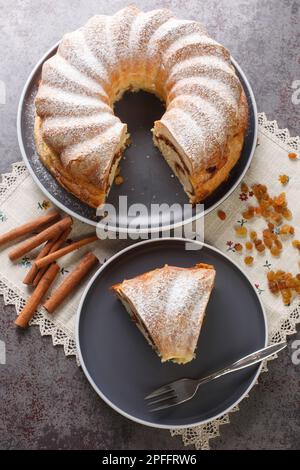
168	306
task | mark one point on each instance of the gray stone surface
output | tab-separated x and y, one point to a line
45	400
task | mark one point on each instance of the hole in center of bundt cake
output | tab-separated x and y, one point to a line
139	110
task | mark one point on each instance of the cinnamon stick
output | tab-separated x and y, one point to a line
31	274
31	305
55	247
51	232
29	227
70	282
64	251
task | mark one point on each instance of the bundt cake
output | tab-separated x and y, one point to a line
201	133
168	306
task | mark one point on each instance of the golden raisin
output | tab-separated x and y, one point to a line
292	156
273	286
270	226
247	215
241	231
267	233
257	210
268	242
277	218
292	282
119	180
238	247
253	235
285	283
248	260
286	296
260	247
249	212
282	284
280	200
287	230
271	276
266	212
244	187
221	215
296	244
275	251
284	179
287	214
249	245
268	237
297	281
259	190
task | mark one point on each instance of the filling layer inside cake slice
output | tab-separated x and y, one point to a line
136	318
175	158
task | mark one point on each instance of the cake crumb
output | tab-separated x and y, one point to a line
119	180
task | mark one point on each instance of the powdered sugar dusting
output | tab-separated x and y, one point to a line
60	132
143	29
58	72
171	302
153	50
51	101
74	49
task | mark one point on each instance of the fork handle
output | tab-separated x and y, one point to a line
246	361
213	376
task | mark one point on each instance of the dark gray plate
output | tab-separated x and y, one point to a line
123	368
147	176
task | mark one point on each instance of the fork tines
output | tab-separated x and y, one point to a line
164	396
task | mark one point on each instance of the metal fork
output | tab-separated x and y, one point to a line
183	390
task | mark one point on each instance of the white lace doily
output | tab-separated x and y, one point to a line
21	200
